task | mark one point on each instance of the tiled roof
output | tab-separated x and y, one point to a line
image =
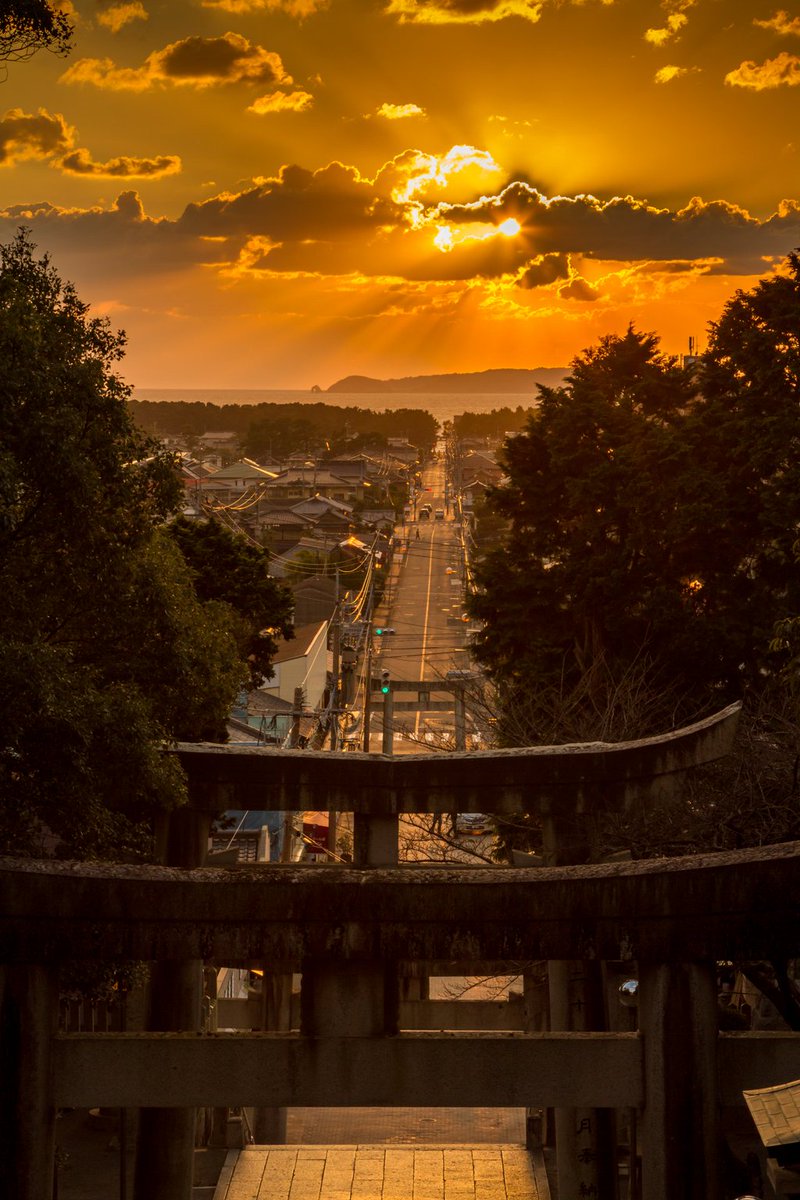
776	1112
304	637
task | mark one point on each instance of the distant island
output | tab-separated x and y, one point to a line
504	379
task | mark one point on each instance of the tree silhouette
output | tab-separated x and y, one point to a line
27	26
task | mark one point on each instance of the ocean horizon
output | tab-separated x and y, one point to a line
441	405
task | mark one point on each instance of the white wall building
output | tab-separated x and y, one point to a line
302	662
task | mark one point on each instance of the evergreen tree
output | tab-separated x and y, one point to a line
106	652
230	570
652	513
589	571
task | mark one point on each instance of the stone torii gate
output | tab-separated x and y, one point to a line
349	931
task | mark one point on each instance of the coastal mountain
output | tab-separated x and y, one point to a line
504	379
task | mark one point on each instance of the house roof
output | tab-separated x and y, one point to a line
265	704
300	644
317	585
245	469
315	476
285	516
323	502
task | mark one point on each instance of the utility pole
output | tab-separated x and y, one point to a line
460	717
337	640
368	693
337	637
297	712
388	714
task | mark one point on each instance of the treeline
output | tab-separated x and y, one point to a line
278	429
494	424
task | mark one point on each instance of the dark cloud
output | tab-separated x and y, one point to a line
579	289
80	162
329	204
545	269
194	61
33	135
333	221
230	58
626	229
446	12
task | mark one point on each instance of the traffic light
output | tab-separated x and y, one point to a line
385	688
379	633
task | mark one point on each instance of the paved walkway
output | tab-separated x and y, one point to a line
370	1172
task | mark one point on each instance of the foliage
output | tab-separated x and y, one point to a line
590	569
488	526
30	25
105	649
652	512
228	569
495	424
275	429
276	438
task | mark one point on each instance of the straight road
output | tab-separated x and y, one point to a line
426	615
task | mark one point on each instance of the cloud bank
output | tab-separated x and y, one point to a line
335	221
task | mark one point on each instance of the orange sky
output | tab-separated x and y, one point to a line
277	193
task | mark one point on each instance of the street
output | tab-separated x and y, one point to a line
425	612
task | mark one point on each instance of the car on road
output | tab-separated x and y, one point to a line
439	514
476	823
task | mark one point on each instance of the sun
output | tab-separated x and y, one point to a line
510	227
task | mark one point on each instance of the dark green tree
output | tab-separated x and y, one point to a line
106	652
652	513
590	571
278	437
230	570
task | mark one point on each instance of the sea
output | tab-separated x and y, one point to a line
441	405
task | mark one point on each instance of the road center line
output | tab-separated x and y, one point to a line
425	627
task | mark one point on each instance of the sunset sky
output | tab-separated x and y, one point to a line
277	193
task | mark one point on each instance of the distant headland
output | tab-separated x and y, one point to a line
504	379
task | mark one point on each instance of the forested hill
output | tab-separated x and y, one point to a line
505	379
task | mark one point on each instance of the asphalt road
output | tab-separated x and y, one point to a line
425	613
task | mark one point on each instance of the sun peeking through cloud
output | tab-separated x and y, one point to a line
446	238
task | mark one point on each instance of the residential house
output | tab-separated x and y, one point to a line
279	527
301	483
314	599
402	450
241	479
479	466
303	662
224	440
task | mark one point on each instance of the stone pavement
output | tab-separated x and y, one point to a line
90	1153
370	1172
